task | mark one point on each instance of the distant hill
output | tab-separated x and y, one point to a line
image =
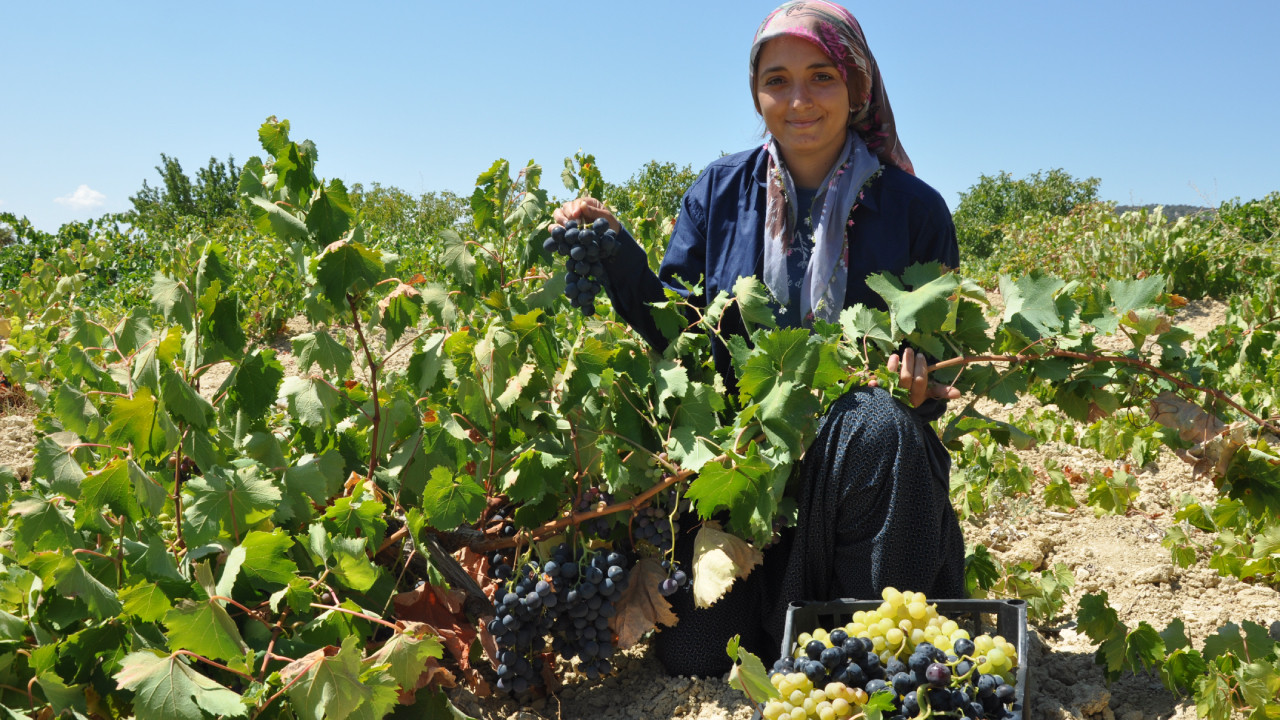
1171	212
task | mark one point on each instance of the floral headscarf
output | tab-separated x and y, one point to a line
871	140
837	33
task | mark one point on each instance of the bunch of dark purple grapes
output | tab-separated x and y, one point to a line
586	249
652	525
930	678
571	598
520	625
676	578
588	586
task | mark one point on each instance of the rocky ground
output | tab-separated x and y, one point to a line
1119	554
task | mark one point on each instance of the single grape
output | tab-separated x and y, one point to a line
937	675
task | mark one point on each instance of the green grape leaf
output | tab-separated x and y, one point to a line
533	474
204	628
425	364
925	308
56	464
319	348
227	502
298	595
1144	646
330	214
319	476
399	310
456	258
787	415
754	302
42	525
63	697
671	381
265	556
110	487
406	657
1175	636
1058	494
449	501
328	683
166	688
351	516
860	322
980	571
272	219
76	412
71	580
748	673
1097	618
1030	308
347	267
256	381
1182	669
1130	295
145	601
352	565
183	402
314	402
141	423
147	491
174	300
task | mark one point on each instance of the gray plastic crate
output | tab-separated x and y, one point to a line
993	617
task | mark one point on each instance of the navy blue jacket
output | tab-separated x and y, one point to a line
719	235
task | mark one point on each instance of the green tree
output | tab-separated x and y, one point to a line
394	211
656	186
206	201
997	200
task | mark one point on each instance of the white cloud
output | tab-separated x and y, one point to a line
83	198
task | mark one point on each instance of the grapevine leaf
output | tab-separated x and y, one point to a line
449	501
353	567
148	493
319	348
57	465
1181	670
63	697
1029	304
425	364
145	601
347	267
1097	618
42	525
183	402
671	381
256	380
351	516
785	415
319	476
76	412
532	474
330	213
1213	696
314	402
1175	636
109	487
980	570
780	355
220	327
227	502
12	627
399	310
436	299
1128	295
1260	685
173	299
406	657
641	607
1058	494
72	580
861	322
748	673
456	259
923	309
694	418
166	688
718	560
204	628
266	556
298	595
327	683
753	301
1144	646
139	422
272	219
75	363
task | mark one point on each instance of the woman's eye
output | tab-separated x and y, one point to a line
824	77
773	81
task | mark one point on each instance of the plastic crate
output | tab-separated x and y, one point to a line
993	617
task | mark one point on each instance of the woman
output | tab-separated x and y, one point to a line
828	200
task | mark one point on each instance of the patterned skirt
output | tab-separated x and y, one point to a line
874	512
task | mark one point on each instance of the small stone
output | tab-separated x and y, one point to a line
1162	573
1132	715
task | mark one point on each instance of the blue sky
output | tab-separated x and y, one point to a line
1169	102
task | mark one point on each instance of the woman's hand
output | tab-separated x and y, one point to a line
913	374
585	211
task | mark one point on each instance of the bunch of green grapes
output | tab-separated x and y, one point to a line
800	699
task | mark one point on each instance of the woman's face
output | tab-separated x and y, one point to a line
804	101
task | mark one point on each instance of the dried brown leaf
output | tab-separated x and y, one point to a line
641	607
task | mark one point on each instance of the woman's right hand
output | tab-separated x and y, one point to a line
585	211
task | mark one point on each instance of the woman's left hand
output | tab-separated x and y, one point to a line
913	374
